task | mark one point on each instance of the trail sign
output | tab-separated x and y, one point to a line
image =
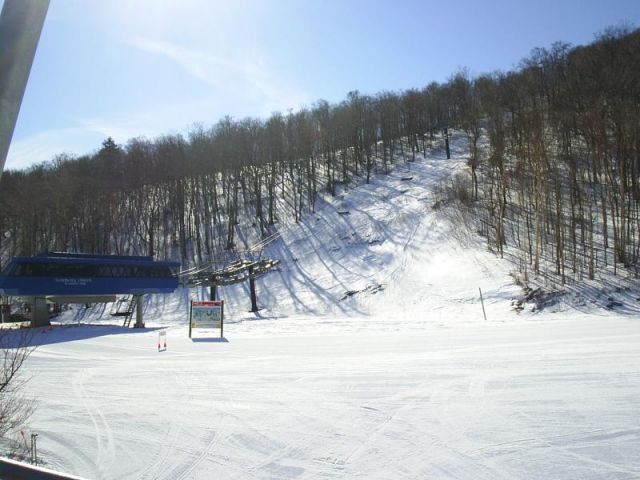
207	315
162	340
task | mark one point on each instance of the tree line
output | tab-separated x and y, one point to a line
561	172
554	165
184	197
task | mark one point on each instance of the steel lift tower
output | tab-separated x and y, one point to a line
21	22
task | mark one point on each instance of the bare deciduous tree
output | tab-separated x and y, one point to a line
15	348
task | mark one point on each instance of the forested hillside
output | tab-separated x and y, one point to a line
560	177
554	167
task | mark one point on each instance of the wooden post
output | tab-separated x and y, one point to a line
446	143
482	302
190	313
34	448
252	289
221	318
212	288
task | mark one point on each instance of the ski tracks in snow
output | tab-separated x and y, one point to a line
452	460
201	440
69	454
105	445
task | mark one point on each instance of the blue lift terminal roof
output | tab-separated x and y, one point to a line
55	273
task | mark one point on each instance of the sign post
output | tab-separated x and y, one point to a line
207	315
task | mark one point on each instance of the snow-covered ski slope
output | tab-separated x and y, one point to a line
370	358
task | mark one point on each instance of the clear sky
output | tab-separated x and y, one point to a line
130	68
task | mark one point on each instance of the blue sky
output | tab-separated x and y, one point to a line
130	68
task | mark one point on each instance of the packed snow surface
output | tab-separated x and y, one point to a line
370	358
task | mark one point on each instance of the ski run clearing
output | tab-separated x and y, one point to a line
369	358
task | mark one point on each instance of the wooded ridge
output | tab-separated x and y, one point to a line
554	167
